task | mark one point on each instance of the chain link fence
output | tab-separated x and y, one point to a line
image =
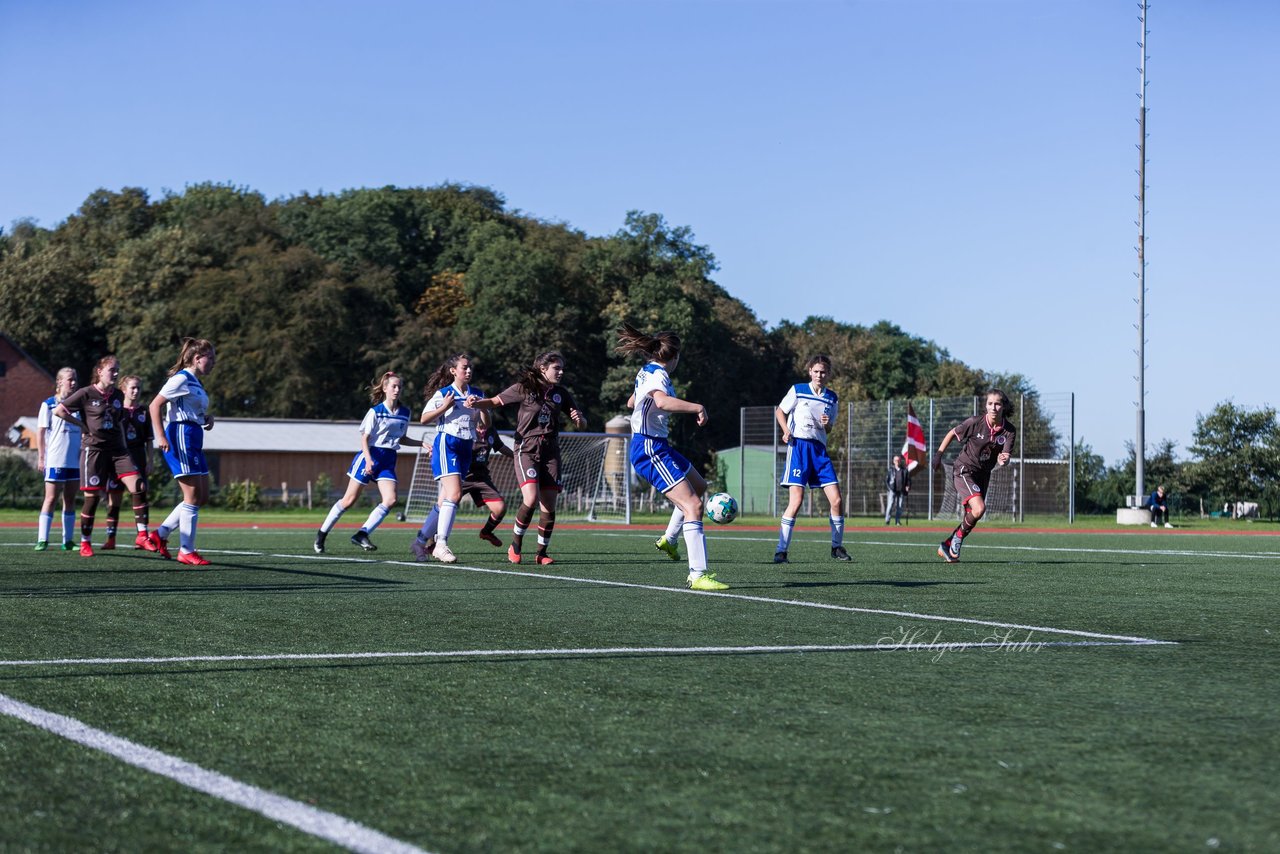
1039	479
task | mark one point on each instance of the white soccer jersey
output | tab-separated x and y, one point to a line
385	428
460	420
804	407
646	418
61	438
188	401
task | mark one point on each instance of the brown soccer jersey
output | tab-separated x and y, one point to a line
540	412
980	446
102	416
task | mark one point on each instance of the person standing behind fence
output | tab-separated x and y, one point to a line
807	412
986	441
898	484
653	458
537	455
382	432
105	456
179	430
58	458
138	437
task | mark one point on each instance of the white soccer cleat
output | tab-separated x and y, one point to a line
443	553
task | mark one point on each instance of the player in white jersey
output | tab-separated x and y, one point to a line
382	432
180	437
652	456
58	457
456	424
806	414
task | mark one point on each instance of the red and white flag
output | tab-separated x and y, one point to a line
913	450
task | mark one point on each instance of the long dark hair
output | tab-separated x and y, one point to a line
531	379
658	347
444	374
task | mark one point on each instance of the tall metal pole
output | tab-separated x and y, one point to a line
1139	445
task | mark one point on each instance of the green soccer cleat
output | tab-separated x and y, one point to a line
69	546
667	547
706	582
42	545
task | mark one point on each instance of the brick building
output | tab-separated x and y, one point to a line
23	384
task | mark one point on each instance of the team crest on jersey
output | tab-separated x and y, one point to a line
531	472
95	481
115	404
555	398
1000	440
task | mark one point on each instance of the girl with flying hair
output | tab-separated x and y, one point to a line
653	402
382	432
543	401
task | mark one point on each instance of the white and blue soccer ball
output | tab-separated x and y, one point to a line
722	508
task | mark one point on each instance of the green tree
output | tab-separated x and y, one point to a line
1238	452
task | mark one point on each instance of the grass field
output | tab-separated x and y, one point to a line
1053	691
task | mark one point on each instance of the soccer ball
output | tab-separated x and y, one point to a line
722	508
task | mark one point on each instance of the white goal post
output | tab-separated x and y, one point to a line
594	468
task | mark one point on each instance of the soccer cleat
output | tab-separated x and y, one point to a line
191	559
361	538
318	545
443	553
68	546
956	543
86	548
512	554
491	538
1167	525
1154	525
161	546
545	560
421	553
780	557
667	547
706	582
945	552
42	545
146	541
838	553
110	543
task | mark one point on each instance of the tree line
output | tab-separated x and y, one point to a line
310	297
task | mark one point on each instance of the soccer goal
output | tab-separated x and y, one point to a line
593	466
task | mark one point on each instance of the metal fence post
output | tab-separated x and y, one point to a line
1022	461
928	457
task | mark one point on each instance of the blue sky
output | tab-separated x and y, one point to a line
963	168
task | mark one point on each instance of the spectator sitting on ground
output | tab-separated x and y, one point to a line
1158	503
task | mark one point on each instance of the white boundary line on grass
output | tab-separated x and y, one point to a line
319	823
887	644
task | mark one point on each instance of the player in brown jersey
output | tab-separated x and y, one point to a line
104	452
543	402
986	441
138	436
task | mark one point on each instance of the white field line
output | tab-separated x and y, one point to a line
896	643
982	546
319	823
800	603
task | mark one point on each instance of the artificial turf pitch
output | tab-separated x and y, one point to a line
1053	691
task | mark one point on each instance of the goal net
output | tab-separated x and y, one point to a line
594	470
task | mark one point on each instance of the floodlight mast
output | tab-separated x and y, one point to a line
1139	447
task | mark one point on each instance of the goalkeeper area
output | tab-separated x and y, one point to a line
594	469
